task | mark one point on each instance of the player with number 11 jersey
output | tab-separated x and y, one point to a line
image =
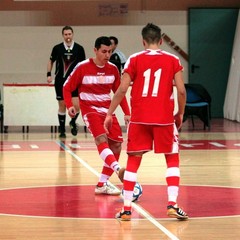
152	98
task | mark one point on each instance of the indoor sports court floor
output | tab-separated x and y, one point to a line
47	188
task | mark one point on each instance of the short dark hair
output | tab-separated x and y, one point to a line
67	28
151	33
114	39
102	40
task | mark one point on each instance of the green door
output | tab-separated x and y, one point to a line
211	35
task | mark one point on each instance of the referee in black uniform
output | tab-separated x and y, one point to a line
66	55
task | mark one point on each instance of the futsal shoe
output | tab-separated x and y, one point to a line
124	215
74	128
62	135
107	190
176	212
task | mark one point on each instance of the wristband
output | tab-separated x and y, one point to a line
48	74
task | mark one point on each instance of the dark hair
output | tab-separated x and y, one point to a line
114	39
67	28
151	33
102	40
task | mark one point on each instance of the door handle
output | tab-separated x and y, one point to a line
193	68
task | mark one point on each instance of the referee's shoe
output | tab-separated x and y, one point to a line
73	127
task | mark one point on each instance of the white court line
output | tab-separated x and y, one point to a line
34	146
216	144
135	206
16	146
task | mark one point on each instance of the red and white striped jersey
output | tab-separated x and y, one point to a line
152	73
94	84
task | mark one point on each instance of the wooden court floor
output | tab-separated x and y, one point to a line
47	188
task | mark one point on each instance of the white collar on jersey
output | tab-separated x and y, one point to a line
67	47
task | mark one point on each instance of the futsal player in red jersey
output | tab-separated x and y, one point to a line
95	78
152	73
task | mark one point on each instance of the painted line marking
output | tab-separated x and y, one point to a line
134	205
191	145
65	148
74	145
16	146
34	146
216	144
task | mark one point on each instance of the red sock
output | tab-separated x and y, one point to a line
107	156
106	172
127	208
130	178
172	177
133	163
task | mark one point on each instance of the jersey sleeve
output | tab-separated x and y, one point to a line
115	59
130	66
69	86
82	55
124	104
54	54
177	65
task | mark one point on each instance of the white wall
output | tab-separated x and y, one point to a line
25	50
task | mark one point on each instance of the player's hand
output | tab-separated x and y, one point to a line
72	112
108	123
127	119
49	79
178	120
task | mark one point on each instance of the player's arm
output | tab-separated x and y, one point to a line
82	55
124	103
49	69
117	99
181	98
53	58
68	87
126	110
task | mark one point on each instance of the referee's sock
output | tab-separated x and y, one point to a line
62	122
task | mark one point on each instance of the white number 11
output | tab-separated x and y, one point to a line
147	75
